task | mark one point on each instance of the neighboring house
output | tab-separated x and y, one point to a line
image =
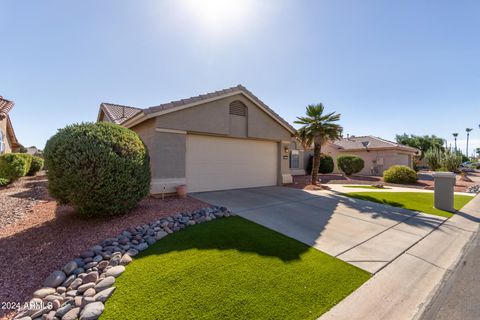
33	150
221	140
8	140
379	154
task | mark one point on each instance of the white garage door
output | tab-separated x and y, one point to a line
214	163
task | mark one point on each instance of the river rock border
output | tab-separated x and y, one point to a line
80	289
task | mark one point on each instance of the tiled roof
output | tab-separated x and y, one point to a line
356	143
5	107
118	113
199	98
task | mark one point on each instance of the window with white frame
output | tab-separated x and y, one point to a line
294	159
2	144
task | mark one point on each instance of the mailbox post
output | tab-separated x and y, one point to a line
444	184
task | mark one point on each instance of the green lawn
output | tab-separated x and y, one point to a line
231	269
417	201
367	187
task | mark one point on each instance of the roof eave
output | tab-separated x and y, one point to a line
145	114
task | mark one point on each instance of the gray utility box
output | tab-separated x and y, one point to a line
444	184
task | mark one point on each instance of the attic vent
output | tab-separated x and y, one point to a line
238	108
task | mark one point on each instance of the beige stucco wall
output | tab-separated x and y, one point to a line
214	118
165	137
6	140
303	157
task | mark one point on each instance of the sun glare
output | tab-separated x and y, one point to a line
218	13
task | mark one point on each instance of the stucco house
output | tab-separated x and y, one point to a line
8	140
379	154
220	140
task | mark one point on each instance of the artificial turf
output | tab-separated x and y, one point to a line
416	201
231	268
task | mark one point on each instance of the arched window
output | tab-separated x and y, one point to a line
238	108
2	144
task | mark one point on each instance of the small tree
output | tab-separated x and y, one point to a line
97	168
350	164
326	164
318	128
433	157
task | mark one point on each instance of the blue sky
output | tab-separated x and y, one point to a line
388	67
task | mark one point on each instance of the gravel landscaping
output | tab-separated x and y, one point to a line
47	236
18	199
81	287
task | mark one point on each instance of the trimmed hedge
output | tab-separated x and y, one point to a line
350	164
326	164
14	165
98	168
400	174
36	165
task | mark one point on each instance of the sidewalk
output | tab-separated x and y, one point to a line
404	288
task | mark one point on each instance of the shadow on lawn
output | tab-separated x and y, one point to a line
373	199
232	233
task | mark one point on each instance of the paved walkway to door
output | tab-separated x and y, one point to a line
362	233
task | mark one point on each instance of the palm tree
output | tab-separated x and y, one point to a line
455	135
318	128
468	135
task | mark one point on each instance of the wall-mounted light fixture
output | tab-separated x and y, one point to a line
285	149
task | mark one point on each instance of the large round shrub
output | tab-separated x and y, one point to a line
350	164
399	174
35	166
99	169
326	164
14	165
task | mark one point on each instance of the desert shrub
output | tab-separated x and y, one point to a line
4	182
326	164
14	165
400	174
433	157
36	165
99	169
350	164
451	161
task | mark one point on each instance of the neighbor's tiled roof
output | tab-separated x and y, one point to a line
5	107
118	113
356	143
199	98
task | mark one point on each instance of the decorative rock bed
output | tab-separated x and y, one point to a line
474	189
83	285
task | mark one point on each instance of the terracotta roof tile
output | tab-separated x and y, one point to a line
5	107
119	113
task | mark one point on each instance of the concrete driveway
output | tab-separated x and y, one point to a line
362	233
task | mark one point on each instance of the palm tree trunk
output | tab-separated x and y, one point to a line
316	161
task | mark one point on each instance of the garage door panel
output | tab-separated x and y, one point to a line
215	163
